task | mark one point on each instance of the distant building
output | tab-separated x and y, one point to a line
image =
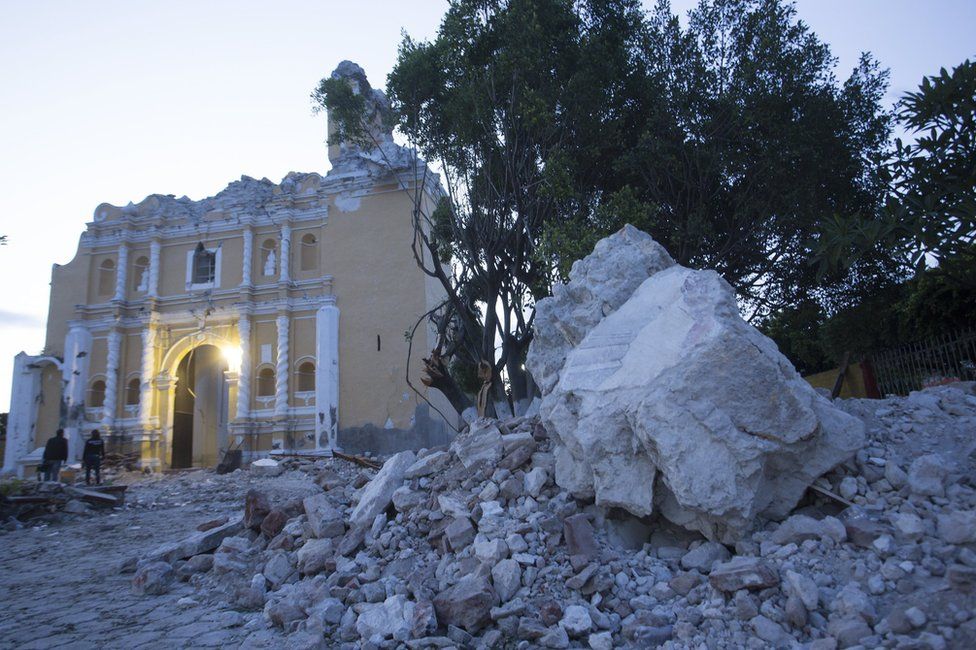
270	316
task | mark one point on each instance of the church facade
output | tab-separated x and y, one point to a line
271	316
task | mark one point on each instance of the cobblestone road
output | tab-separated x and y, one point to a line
60	586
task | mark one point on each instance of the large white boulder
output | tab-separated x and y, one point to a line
667	400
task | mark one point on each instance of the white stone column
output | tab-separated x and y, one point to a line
285	262
248	256
244	380
282	366
121	271
20	420
146	374
327	377
74	373
111	377
153	290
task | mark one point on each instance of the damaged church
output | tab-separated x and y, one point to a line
271	316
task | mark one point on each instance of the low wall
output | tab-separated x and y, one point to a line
857	381
426	432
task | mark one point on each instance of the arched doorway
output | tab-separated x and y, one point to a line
200	408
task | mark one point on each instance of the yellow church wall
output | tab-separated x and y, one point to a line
69	287
367	251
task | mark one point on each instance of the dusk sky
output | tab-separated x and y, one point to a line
109	101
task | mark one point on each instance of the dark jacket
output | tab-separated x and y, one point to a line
56	449
94	448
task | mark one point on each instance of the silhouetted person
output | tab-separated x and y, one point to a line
92	457
55	453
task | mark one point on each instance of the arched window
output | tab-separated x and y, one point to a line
204	265
269	258
96	394
132	392
310	252
140	275
306	377
266	382
106	278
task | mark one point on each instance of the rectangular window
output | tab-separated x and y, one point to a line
204	267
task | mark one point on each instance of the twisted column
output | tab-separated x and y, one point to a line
147	372
248	256
111	377
244	380
153	288
120	272
281	370
285	262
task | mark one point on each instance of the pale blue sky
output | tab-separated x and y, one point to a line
111	100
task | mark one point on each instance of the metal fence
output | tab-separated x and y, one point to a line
943	359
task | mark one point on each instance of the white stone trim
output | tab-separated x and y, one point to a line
327	377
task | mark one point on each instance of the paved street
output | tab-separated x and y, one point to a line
60	586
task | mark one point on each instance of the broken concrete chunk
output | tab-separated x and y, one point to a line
273	523
927	475
467	604
743	573
481	443
378	494
199	542
704	556
799	528
427	465
459	534
153	578
256	508
267	467
579	536
324	519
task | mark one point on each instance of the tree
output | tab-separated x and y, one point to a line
930	210
754	147
556	122
935	176
506	99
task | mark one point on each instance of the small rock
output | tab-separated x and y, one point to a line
743	573
507	578
576	620
152	579
848	487
704	556
927	475
958	527
467	604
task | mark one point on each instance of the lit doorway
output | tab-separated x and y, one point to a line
200	411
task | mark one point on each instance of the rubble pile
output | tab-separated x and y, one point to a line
681	486
40	502
476	546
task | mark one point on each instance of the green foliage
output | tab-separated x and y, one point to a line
346	108
929	216
932	303
12	487
936	175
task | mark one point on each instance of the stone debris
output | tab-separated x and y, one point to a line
482	545
481	555
661	398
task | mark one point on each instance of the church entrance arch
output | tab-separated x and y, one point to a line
200	397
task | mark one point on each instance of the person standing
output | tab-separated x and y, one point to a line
92	457
55	453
